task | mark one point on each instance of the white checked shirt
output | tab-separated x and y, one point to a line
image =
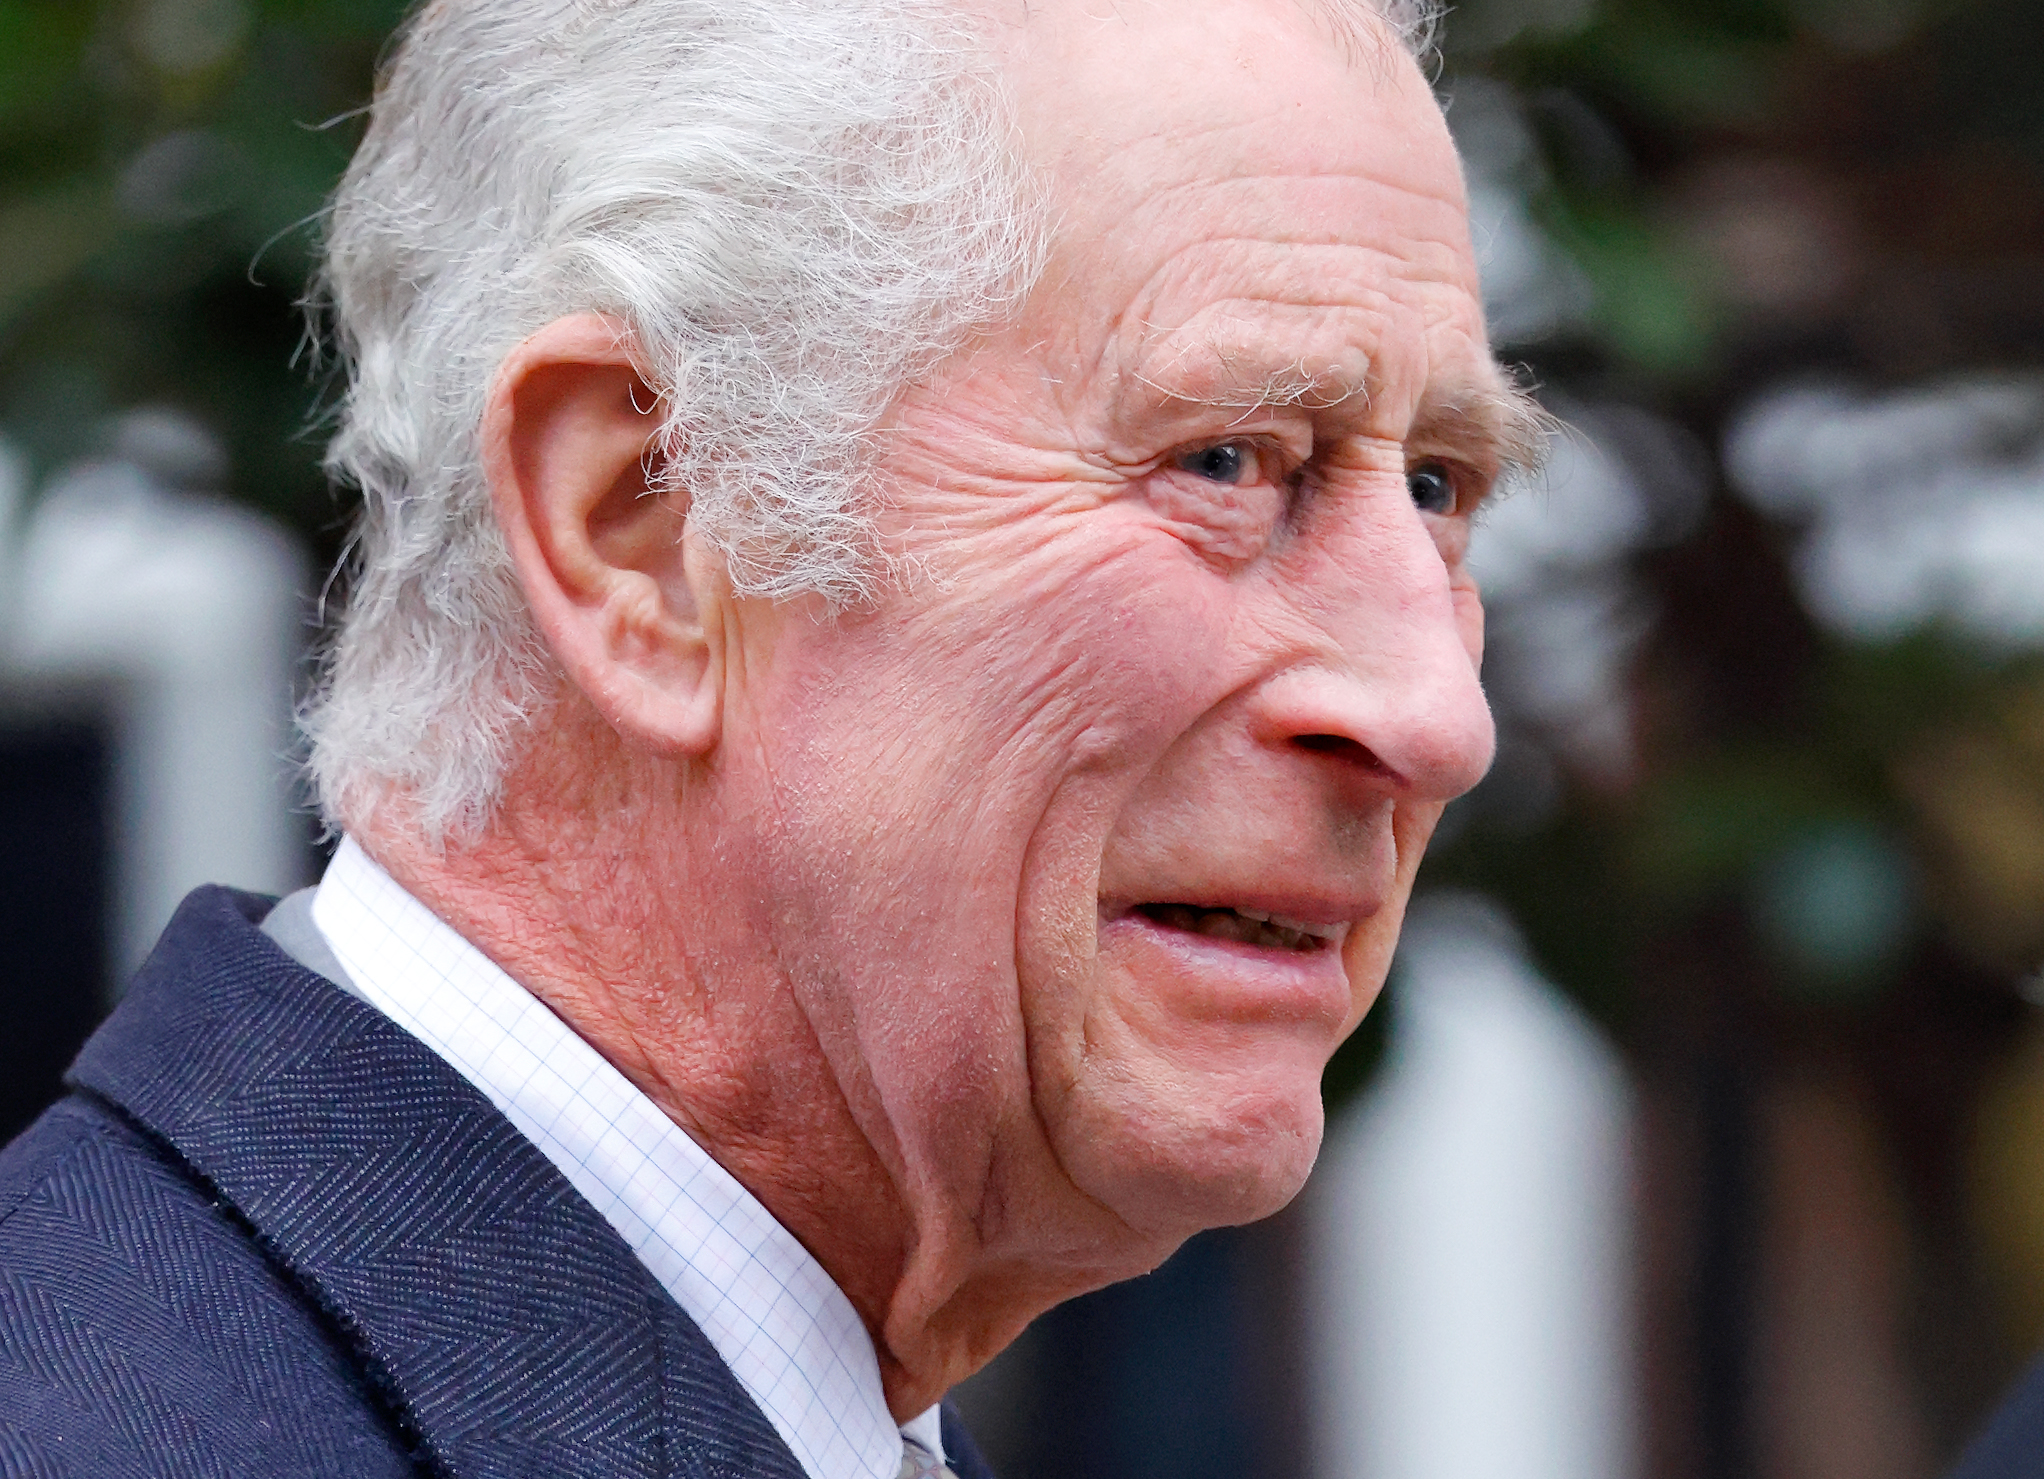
786	1331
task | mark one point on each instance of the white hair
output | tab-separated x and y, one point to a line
1415	23
795	205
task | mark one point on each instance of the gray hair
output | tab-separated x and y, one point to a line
795	205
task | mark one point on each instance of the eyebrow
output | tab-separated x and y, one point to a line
1365	34
1482	416
1497	425
1212	374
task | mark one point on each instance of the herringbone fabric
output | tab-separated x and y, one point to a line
2011	1446
272	1234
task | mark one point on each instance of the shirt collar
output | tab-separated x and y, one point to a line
783	1327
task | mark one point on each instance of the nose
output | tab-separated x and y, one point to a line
1390	693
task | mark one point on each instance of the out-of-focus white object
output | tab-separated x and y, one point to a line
1470	1257
184	609
13	491
1922	505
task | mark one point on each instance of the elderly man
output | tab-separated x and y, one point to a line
909	630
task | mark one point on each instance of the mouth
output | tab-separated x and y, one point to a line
1252	927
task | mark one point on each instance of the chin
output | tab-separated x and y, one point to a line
1173	1159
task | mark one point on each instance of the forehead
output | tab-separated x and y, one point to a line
1250	203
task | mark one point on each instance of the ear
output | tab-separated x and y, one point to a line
614	587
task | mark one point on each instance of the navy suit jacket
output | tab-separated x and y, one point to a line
271	1233
2011	1446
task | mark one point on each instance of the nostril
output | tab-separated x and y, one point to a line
1341	747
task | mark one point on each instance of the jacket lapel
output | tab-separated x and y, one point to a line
508	1326
961	1455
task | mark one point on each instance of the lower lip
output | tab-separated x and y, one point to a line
1212	977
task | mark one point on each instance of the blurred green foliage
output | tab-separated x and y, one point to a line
161	163
1749	190
1922	123
1926	114
1823	849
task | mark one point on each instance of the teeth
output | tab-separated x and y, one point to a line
1249	926
1304	927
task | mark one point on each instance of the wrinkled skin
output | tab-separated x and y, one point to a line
918	917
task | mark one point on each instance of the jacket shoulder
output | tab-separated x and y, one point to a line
2011	1446
144	1330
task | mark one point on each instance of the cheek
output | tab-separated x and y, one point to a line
1059	665
938	781
1366	956
928	761
1138	656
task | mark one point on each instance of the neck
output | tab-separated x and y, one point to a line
599	897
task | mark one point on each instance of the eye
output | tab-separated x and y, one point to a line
1432	487
1231	463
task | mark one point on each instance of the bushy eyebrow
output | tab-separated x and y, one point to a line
1223	382
1495	425
1365	37
1476	414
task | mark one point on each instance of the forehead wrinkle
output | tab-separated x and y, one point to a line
1332	275
1288	338
1164	194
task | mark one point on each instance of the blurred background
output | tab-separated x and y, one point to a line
1701	1132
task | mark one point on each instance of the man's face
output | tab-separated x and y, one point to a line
1086	845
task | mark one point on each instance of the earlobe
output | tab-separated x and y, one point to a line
568	442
